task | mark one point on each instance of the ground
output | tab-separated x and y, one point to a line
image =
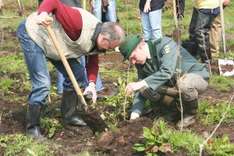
109	134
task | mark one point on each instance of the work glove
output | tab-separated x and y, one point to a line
135	86
44	19
91	89
147	6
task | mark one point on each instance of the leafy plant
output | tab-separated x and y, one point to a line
117	103
162	139
51	126
212	113
19	144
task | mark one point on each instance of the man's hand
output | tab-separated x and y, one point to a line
135	86
44	19
147	6
91	89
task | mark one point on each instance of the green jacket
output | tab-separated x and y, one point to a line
161	68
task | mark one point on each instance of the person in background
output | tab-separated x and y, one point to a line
157	65
216	32
104	10
78	33
204	13
151	15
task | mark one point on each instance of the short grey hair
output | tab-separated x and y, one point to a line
113	31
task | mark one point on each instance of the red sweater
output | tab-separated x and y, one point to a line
71	21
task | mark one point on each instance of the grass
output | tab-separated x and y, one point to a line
18	144
211	114
221	83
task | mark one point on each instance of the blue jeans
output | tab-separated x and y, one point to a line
111	10
36	62
151	23
59	82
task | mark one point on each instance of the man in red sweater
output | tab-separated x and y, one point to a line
78	33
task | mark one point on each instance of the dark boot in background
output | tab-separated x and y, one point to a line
190	111
33	121
69	111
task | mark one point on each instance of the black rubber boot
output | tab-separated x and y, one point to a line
190	107
33	121
69	111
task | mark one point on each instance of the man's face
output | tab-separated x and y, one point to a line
139	54
104	44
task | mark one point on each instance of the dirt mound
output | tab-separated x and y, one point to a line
120	143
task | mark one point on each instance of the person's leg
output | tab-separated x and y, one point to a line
201	30
111	12
97	8
155	22
146	26
59	82
215	36
39	75
191	85
70	101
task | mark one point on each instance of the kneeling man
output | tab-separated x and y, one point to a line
157	65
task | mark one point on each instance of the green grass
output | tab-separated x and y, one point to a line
19	144
221	83
211	114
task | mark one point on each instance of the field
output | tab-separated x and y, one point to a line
116	136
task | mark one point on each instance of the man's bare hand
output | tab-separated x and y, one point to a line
147	7
44	19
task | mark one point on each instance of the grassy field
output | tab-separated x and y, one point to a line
157	136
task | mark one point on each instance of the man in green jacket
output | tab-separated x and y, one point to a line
157	66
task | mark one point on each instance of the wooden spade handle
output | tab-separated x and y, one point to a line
66	65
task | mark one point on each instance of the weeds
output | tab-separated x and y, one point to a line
51	126
211	114
19	144
220	147
221	83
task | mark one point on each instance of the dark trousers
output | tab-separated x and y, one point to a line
199	31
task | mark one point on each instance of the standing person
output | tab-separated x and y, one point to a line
156	64
78	33
204	13
216	32
104	10
151	15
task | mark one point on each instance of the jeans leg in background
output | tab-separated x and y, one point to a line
97	8
59	82
155	18
37	67
146	26
111	12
